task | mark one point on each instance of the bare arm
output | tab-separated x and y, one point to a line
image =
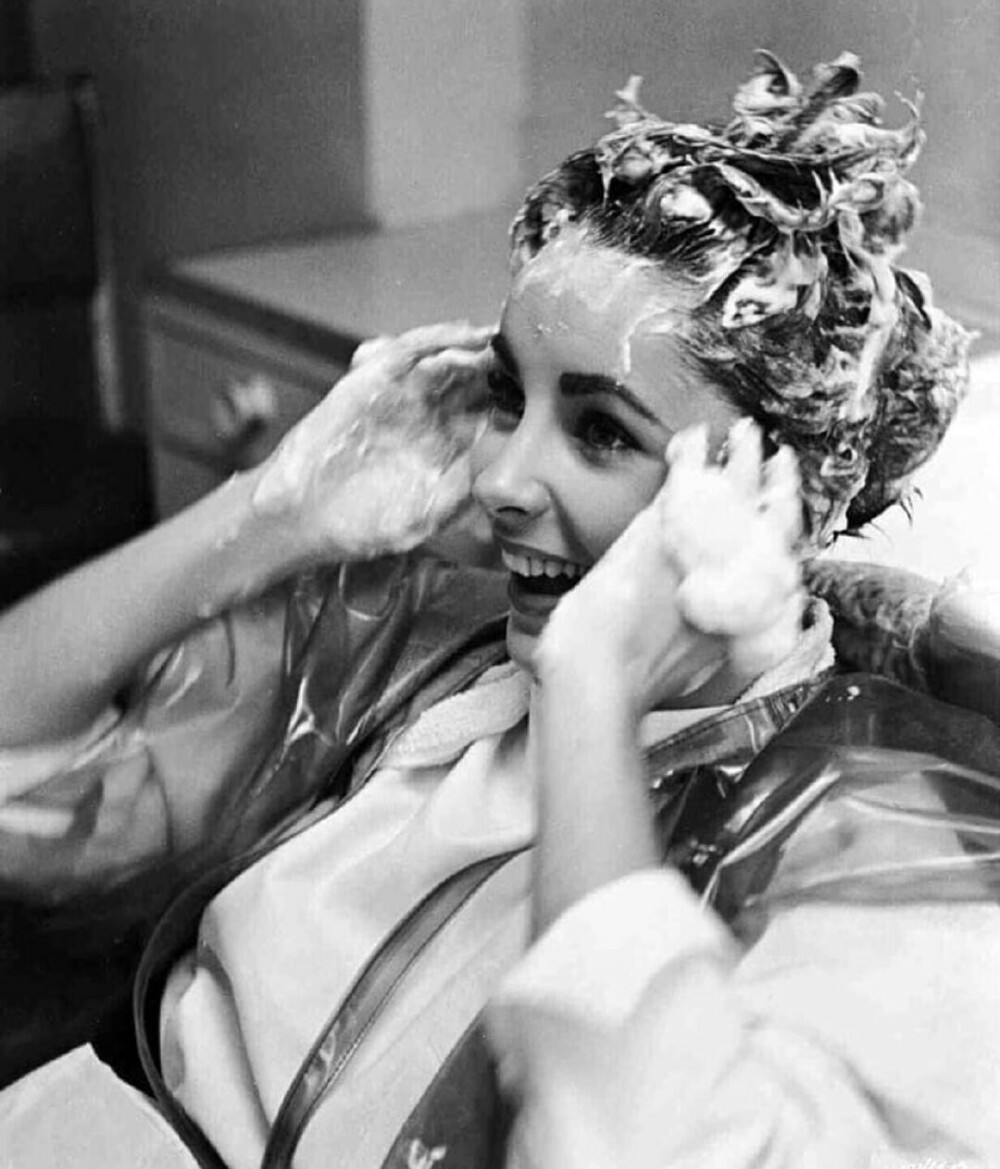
594	824
70	647
335	490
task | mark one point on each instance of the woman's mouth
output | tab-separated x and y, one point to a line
547	574
537	582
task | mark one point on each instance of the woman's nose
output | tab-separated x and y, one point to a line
510	484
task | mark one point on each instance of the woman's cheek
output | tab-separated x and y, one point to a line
613	506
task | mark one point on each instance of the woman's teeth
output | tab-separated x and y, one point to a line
540	566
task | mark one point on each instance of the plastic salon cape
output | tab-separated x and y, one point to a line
263	722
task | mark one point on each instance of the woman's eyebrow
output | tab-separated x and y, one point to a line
501	347
580	384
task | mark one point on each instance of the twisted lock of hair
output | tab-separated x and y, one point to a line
924	380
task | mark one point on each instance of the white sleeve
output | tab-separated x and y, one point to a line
636	1033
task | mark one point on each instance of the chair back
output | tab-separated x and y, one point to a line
940	639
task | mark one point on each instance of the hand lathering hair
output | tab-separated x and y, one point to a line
786	224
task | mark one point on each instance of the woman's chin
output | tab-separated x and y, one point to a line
529	613
523	634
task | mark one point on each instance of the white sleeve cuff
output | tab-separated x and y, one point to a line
599	957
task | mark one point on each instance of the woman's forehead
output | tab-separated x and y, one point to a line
573	285
576	307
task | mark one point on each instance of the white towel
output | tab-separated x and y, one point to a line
499	700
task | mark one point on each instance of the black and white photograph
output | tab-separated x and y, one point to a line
499	584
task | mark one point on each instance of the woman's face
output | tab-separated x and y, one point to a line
587	385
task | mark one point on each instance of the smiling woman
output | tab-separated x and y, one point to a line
587	388
598	860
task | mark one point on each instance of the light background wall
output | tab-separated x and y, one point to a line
691	53
446	90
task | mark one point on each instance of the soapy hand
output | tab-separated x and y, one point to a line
705	578
383	461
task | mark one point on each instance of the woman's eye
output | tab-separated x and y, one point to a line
506	397
603	435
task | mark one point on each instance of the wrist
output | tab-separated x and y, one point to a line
233	549
590	672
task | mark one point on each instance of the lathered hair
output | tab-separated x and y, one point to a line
787	222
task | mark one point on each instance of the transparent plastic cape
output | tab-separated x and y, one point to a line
254	717
256	720
277	711
872	794
230	734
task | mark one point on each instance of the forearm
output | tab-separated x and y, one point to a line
335	489
66	650
595	823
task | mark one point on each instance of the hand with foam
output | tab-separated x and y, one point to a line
732	530
383	461
704	582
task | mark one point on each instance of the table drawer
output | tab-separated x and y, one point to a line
223	408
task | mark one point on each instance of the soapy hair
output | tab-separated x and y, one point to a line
785	223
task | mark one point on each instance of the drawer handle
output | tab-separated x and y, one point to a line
242	411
